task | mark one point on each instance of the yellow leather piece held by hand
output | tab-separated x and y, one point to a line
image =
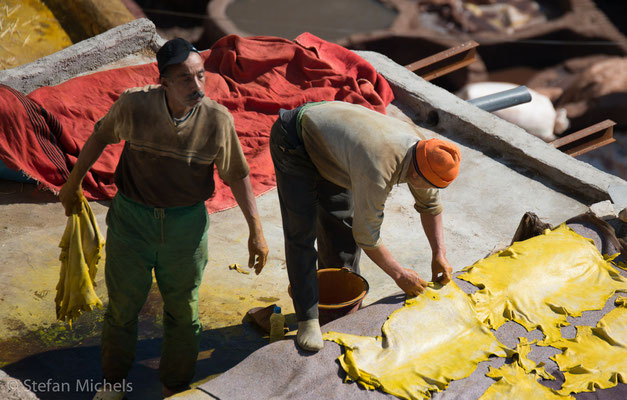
540	281
433	339
81	249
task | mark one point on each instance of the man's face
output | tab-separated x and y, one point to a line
185	83
417	181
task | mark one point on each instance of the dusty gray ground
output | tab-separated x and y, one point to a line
482	210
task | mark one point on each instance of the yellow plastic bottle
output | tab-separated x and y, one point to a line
277	321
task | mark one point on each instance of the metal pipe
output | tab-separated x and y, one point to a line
504	99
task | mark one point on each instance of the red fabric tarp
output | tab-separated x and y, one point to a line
41	134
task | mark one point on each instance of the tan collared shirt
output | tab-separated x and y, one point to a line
367	152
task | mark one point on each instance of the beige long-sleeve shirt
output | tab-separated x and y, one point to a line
367	152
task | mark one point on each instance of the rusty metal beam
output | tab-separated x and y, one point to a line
587	139
446	61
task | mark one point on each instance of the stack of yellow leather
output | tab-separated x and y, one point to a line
28	31
443	334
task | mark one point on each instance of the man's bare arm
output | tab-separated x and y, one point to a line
257	248
441	270
71	193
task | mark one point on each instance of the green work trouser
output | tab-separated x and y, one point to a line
173	241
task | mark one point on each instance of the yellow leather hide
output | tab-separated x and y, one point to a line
433	339
81	249
596	357
519	380
540	281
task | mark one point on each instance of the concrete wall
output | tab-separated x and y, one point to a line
445	113
427	104
134	37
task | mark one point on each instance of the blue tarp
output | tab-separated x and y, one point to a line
8	174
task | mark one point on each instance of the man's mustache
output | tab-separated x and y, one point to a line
197	95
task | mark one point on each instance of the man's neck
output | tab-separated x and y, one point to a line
177	113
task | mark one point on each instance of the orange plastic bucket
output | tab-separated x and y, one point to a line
340	292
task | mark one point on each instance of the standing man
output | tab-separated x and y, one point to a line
335	165
174	136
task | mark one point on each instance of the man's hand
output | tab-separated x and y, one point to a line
258	252
411	283
71	197
406	279
441	270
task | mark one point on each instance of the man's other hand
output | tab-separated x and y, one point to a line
441	270
411	283
258	252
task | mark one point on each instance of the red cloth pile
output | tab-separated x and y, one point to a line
42	133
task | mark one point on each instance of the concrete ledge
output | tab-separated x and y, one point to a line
14	389
136	36
439	110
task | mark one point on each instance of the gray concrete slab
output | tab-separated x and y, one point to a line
482	210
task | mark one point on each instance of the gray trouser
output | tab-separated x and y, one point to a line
311	208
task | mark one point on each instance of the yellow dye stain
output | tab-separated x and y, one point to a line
221	304
596	357
433	339
28	302
81	249
49	337
519	380
540	281
268	299
29	339
28	31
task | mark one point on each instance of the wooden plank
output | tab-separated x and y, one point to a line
446	61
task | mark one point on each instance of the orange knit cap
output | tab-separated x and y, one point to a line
437	161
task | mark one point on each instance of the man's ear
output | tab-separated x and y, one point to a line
163	81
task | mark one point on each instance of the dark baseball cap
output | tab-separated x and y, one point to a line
172	52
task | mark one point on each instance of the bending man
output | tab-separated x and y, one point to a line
174	136
335	165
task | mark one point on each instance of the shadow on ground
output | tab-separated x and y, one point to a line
74	372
